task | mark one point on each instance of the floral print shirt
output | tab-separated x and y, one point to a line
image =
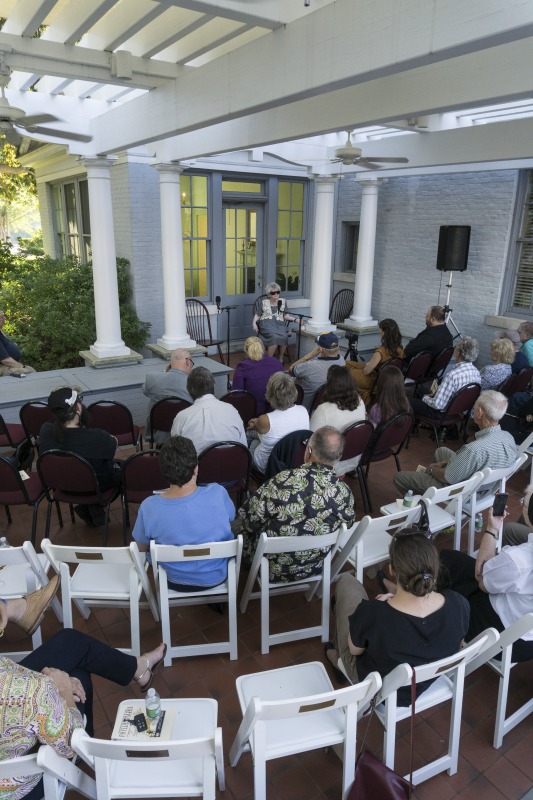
307	501
32	712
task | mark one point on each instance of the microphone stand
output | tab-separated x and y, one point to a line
228	310
300	317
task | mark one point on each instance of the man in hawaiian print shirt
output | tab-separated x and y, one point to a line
306	501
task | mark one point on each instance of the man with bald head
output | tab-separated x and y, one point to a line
172	382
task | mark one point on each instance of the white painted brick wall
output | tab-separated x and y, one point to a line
410	213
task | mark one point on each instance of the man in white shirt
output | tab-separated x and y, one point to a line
208	420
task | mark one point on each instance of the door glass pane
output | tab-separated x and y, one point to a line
297	197
70	207
284	224
199	190
284	195
242	186
241	250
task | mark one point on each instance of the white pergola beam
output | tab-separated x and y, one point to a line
317	56
175	35
27	16
238	11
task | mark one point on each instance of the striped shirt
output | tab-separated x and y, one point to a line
455	379
491	447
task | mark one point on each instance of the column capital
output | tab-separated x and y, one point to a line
97	162
370	183
168	168
325	181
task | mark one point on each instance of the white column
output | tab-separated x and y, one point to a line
322	254
364	275
109	343
175	334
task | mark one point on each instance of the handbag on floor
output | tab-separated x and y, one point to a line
373	779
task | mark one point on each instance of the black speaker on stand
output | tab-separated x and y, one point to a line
452	256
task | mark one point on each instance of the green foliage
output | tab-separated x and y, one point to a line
49	305
32	246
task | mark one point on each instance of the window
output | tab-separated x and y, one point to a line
522	290
290	236
72	220
350	236
195	231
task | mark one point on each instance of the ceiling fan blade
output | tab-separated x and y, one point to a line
363	162
36	119
75	137
383	160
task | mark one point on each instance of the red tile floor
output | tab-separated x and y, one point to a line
483	772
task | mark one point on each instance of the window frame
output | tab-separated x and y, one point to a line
522	204
63	238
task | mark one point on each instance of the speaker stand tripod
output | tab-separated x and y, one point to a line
448	311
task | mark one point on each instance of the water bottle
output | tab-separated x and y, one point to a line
479	521
153	709
408	499
3	541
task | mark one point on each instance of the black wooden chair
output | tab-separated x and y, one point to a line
341	306
199	326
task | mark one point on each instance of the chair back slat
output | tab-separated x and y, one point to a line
440	363
390	434
463	401
141	472
67	472
164	412
318	398
244	402
111	416
418	366
33	416
225	462
356	439
341	306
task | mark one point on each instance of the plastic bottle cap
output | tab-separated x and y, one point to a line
150	692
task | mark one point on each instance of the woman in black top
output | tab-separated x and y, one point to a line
411	624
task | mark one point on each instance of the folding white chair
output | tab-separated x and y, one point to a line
454	496
103	577
296	709
23	571
450	675
59	773
527	447
260	571
503	668
178	767
223	593
483	496
370	542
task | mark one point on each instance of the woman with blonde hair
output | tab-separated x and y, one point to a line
366	374
254	371
502	353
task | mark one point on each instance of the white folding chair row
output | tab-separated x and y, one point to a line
179	767
223	593
22	571
59	774
527	447
296	709
103	577
260	571
484	495
503	667
449	685
454	496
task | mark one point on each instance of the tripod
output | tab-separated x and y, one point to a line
228	310
448	311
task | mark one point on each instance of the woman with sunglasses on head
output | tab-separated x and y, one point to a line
411	622
270	324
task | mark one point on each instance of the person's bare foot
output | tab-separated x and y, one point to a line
146	664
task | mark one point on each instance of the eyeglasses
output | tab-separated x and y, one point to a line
189	361
276	292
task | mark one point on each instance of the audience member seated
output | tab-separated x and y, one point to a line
463	373
208	420
311	371
186	514
491	447
502	353
270	324
365	374
69	431
412	623
170	382
306	501
265	431
46	695
498	587
10	363
342	407
434	338
518	532
520	360
253	372
525	331
519	418
391	398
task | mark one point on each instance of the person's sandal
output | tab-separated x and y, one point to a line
152	670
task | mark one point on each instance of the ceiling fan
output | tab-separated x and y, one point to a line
15	123
349	155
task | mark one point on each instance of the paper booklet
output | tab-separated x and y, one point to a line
125	727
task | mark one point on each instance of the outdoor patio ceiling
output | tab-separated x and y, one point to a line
443	83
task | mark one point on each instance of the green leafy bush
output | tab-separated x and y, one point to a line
49	306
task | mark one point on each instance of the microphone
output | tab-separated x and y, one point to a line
280	303
217	301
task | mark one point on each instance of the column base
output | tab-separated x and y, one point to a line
316	326
163	352
101	362
361	323
172	343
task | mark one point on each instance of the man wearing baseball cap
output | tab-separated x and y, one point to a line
311	371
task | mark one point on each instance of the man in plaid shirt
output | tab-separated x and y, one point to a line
463	373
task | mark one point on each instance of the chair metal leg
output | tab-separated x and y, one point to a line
59	516
8	515
106	525
71	509
220	354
